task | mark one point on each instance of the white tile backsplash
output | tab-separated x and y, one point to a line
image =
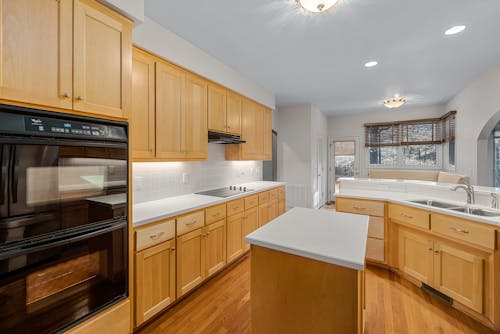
156	180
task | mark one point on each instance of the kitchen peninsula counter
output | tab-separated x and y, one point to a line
307	273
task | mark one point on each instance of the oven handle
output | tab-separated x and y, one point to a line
46	243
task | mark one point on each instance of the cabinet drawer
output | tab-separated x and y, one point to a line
409	215
376	228
251	201
153	235
273	195
215	213
264	197
462	229
190	222
235	206
281	193
359	206
375	249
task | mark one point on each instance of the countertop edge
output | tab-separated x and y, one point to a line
216	201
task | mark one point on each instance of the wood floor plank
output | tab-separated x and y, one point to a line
394	306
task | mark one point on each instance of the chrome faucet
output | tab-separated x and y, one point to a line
494	200
469	189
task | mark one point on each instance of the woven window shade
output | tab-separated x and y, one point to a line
448	122
345	148
382	135
421	133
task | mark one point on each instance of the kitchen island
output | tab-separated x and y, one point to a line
307	273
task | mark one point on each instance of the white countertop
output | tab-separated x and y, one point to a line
405	198
147	212
332	237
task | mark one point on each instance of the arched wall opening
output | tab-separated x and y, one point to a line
486	152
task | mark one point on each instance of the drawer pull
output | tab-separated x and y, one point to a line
459	230
236	208
359	208
216	214
172	249
156	236
191	223
406	216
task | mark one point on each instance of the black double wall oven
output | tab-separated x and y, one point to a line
63	246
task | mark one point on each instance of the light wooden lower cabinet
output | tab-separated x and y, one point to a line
215	247
190	261
263	214
250	224
459	274
273	210
234	236
154	280
416	256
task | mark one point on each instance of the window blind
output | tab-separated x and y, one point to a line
379	135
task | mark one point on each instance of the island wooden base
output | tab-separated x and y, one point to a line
294	294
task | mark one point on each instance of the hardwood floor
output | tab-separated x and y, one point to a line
393	305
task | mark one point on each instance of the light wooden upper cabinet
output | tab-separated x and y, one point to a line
195	134
256	130
142	116
66	54
217	111
102	60
36	57
234	113
154	280
169	111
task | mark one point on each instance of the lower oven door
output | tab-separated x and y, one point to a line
48	284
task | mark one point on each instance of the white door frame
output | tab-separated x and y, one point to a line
331	162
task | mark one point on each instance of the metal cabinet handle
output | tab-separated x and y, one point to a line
406	216
459	230
430	248
191	223
216	214
172	249
67	95
156	236
436	252
359	208
80	97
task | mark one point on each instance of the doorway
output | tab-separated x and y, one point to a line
343	162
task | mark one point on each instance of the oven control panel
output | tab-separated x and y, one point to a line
65	128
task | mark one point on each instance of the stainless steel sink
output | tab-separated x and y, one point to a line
436	204
477	211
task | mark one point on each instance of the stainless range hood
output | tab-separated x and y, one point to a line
224	138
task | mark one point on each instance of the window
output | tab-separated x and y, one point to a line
411	144
345	154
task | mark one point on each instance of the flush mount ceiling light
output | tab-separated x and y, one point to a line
317	6
371	63
454	30
395	102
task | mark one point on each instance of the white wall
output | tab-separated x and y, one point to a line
294	153
158	40
156	180
351	126
478	111
133	9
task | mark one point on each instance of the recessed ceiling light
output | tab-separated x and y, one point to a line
395	102
371	63
454	30
317	6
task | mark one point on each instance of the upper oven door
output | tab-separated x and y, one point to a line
51	185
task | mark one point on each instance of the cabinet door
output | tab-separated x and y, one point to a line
169	87
459	274
250	224
273	210
217	98
416	256
155	280
215	247
234	236
234	113
195	136
142	117
190	261
102	59
263	214
281	207
36	56
250	131
267	133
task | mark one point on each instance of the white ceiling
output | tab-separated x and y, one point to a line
319	59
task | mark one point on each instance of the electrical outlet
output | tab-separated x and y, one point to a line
185	178
139	182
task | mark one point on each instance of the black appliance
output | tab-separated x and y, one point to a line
63	256
224	138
